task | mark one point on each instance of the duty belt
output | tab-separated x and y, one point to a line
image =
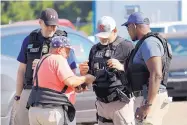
141	93
112	97
102	119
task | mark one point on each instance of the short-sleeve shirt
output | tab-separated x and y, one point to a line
150	47
23	59
122	52
52	73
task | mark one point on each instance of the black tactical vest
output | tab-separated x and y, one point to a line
138	74
49	98
107	79
35	50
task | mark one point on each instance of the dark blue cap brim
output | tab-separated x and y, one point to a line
125	24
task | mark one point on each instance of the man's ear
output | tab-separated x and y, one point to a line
40	21
58	50
135	26
115	30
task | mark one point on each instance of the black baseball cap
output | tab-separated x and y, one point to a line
49	16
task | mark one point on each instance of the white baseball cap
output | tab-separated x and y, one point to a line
105	26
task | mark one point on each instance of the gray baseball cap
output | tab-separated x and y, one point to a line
49	16
105	26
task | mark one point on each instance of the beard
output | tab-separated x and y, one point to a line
104	42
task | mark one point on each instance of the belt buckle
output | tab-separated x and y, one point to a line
138	93
161	91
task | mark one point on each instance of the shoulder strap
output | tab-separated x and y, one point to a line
37	68
138	45
95	48
118	41
33	35
64	89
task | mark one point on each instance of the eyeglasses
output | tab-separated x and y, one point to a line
130	25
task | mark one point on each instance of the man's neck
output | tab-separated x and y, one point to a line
143	34
43	34
114	38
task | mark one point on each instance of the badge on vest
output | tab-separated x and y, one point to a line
45	49
30	46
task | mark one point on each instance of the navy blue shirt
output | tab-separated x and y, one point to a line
23	59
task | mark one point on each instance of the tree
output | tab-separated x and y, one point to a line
16	11
13	11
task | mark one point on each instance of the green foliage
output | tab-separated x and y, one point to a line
13	11
87	29
16	11
37	6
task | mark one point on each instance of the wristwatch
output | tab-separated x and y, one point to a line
147	103
16	98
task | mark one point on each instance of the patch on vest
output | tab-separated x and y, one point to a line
34	50
99	54
30	46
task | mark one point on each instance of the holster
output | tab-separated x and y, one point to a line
122	96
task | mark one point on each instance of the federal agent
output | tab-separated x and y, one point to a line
106	62
34	47
147	70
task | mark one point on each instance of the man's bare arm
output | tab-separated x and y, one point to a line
20	78
154	65
84	68
75	81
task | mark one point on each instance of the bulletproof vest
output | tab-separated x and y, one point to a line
106	78
35	50
49	98
138	74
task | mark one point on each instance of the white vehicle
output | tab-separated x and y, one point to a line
169	27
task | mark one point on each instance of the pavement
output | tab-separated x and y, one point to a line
177	114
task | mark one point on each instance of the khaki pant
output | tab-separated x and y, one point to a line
21	113
120	113
46	116
158	109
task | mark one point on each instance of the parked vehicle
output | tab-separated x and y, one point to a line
62	22
177	82
169	27
11	41
94	39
